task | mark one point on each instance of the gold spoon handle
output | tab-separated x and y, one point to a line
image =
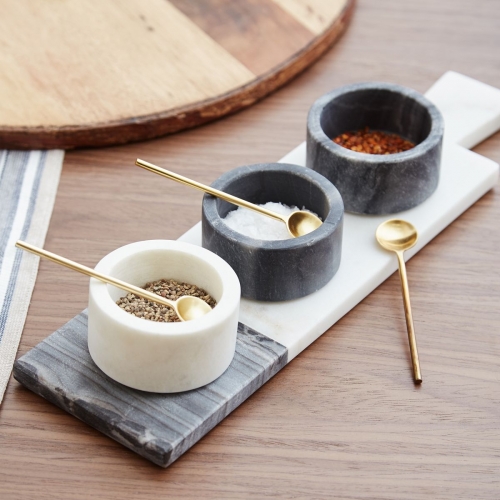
94	274
210	190
409	319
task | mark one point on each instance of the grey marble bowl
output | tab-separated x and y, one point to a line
377	184
285	269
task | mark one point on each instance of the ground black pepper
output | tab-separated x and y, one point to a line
170	289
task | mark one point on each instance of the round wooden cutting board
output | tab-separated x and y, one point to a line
78	73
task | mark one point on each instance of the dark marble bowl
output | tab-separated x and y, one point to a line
376	184
285	269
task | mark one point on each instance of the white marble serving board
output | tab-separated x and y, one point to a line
471	113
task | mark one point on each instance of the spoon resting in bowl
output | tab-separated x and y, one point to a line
187	307
298	223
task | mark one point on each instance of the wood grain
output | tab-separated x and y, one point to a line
315	15
99	73
274	35
343	419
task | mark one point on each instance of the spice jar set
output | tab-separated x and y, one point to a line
372	148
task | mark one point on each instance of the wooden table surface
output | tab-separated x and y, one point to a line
343	420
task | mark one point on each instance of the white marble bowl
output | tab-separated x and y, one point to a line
163	357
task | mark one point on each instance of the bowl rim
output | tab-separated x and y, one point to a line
229	301
433	138
330	224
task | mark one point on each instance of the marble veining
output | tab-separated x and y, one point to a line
377	184
277	270
159	427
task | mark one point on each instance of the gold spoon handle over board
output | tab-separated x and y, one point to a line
409	319
94	274
210	190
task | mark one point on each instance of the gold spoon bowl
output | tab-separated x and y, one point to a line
396	235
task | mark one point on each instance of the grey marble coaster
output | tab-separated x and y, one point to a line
159	427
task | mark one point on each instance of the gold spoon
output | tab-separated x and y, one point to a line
186	307
397	236
298	223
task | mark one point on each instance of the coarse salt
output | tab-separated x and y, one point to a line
259	226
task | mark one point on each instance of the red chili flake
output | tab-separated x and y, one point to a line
373	142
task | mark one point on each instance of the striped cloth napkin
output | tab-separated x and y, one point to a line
28	186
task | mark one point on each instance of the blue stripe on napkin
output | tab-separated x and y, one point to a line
15	169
